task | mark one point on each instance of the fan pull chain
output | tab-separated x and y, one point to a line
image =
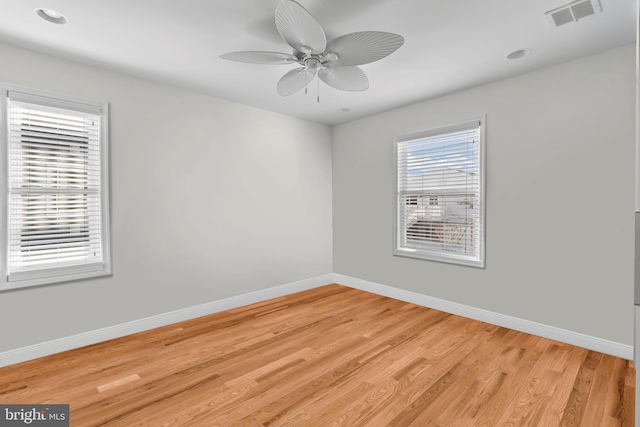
318	90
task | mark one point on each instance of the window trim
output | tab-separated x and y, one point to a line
478	262
68	273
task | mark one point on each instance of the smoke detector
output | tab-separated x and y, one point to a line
573	11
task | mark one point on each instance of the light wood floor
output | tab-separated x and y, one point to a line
331	356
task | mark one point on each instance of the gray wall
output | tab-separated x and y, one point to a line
560	197
212	199
209	199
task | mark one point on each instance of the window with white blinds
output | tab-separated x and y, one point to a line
56	203
440	187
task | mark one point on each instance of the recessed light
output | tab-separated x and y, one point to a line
342	110
519	54
52	16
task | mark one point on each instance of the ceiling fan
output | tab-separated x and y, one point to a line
335	63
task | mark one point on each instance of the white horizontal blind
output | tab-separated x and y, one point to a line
54	198
439	190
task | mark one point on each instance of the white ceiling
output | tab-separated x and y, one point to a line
449	44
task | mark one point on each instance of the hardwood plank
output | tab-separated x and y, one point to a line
569	364
598	395
615	406
118	383
575	407
434	403
330	356
496	406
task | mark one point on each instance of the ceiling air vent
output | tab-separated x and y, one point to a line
573	12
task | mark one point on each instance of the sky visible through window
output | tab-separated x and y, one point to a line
453	156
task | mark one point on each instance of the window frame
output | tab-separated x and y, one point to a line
432	255
66	273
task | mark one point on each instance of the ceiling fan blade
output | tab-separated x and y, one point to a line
351	79
363	47
298	28
269	58
295	80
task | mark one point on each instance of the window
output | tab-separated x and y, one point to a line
440	194
55	188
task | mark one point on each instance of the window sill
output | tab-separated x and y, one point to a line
438	257
24	280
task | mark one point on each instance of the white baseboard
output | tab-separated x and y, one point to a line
574	338
80	340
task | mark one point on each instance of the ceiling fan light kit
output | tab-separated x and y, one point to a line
334	62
